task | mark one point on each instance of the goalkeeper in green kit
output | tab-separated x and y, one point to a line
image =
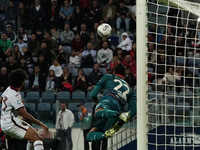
110	106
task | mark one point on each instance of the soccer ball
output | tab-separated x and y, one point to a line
104	30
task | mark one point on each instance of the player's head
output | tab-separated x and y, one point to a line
119	69
17	77
63	106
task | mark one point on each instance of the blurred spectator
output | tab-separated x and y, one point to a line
155	31
54	33
64	123
2	57
42	65
11	35
122	15
4	83
56	68
51	44
16	53
151	54
78	18
46	4
170	78
66	77
109	14
51	80
3	5
180	44
95	14
161	67
130	63
133	18
109	70
33	45
66	13
170	31
88	57
114	62
104	39
130	78
78	44
120	54
85	116
195	45
23	34
22	16
126	43
36	81
5	44
104	56
28	57
84	34
39	35
61	56
96	25
95	43
37	16
46	52
11	64
21	44
74	60
67	36
133	51
11	15
23	65
81	81
94	77
55	13
85	6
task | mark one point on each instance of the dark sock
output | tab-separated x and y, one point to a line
120	123
106	113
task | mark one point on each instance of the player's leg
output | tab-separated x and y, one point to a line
122	119
106	113
34	138
94	135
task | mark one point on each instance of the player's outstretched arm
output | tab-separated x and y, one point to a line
22	111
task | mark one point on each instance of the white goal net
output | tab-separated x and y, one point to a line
173	75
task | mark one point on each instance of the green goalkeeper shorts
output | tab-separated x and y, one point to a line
107	102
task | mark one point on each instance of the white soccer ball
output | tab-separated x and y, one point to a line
104	30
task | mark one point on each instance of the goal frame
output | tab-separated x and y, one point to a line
141	38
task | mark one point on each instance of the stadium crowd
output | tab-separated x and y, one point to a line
49	57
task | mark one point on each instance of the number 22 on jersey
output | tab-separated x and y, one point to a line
119	86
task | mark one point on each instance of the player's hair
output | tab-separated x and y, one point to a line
119	69
17	77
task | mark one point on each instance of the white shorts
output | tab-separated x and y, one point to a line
18	130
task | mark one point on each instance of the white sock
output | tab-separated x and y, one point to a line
38	145
29	146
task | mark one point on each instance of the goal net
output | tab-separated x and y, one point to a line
173	75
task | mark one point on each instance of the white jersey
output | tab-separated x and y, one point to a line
10	104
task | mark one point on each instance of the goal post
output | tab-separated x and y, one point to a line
141	33
168	75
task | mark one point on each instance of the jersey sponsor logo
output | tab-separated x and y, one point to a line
18	102
16	95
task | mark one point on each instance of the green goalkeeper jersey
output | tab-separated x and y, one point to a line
115	84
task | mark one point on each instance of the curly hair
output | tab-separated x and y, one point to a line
17	77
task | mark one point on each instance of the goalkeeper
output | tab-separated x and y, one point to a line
110	106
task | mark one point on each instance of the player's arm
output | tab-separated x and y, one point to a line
1	100
132	105
22	111
100	85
